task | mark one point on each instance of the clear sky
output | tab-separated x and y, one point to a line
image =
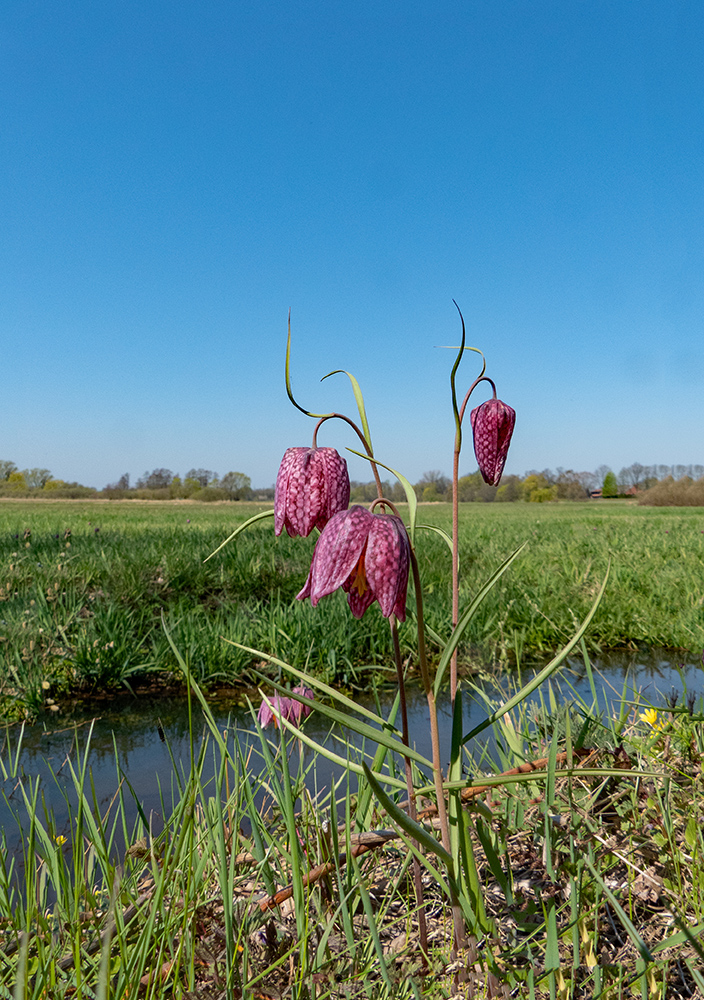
175	176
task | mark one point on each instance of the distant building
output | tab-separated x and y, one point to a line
595	494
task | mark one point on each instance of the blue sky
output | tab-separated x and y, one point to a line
176	176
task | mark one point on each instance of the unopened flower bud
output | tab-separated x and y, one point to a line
492	425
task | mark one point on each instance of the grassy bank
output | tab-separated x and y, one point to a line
84	587
261	884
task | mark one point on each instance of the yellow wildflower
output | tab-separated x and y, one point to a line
651	717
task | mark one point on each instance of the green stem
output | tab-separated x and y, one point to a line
457	916
417	879
362	438
456	518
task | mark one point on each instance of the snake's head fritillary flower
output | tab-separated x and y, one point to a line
366	554
311	486
297	710
492	425
270	711
287	708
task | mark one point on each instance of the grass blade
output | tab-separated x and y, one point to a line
544	673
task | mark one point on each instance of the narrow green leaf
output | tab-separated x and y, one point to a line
633	934
696	974
252	520
334	758
690	833
402	819
453	378
686	934
487	839
371	924
287	375
545	673
359	399
453	383
408	490
438	531
378	736
455	775
494	780
552	946
310	681
364	795
552	767
425	861
467	616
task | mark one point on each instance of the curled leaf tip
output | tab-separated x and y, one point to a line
289	390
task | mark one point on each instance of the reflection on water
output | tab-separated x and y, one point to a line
125	737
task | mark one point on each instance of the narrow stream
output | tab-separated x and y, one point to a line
141	738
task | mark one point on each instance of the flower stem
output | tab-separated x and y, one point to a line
456	525
417	880
362	438
457	916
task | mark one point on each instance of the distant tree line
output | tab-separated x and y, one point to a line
160	484
658	484
543	486
31	482
197	484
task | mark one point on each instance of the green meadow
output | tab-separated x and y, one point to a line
577	851
84	611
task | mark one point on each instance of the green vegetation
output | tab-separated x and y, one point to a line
610	486
590	865
85	612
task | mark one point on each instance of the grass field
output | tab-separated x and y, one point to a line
577	870
86	611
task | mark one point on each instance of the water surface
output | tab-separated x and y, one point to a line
143	739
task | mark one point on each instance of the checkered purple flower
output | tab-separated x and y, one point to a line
492	424
311	486
287	708
366	554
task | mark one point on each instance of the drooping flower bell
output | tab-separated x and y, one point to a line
492	425
269	712
287	708
311	486
366	554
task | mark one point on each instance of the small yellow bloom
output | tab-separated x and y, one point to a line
652	718
60	840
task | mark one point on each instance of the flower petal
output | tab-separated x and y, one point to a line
386	563
492	426
312	484
337	485
281	491
337	552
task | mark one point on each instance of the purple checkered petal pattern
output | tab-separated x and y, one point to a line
312	484
366	554
492	425
386	564
337	552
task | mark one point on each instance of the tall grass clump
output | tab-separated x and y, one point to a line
262	879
